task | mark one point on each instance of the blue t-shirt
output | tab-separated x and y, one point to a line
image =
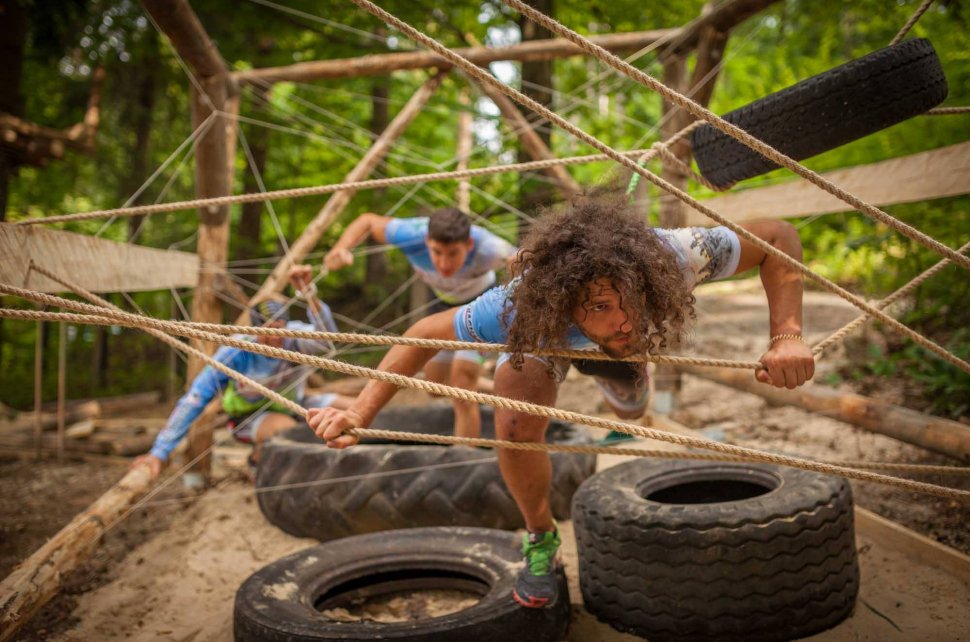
488	254
704	254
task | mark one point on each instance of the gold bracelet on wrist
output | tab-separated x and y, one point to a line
779	337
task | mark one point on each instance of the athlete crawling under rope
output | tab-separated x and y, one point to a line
595	275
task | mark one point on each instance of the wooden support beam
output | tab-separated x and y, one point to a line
933	433
339	200
918	177
530	140
549	49
464	149
724	17
96	264
211	90
39	577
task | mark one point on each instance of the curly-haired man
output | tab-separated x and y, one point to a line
593	275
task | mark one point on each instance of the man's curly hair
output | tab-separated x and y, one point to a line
597	237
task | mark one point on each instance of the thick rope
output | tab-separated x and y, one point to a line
402	381
486	78
299	192
686	103
947	111
911	22
126	319
108	307
840	334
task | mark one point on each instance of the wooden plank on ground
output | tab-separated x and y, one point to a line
96	264
920	548
918	177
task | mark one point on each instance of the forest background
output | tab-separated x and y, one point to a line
318	131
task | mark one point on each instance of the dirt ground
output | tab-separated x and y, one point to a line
170	570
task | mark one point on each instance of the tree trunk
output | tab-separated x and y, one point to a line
248	244
13	37
537	85
376	264
141	122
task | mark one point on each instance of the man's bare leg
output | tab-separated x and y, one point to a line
527	474
468	416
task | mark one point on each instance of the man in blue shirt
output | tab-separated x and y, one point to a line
458	261
595	274
252	418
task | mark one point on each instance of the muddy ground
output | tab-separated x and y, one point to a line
178	555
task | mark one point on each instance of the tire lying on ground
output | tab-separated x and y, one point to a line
713	551
335	591
453	489
825	111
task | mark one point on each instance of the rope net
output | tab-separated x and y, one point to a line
747	454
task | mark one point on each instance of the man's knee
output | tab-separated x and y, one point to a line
513	426
464	375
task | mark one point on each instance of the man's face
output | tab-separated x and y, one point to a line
448	258
603	317
273	342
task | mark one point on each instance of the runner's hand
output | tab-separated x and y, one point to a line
329	424
153	463
301	276
787	364
338	258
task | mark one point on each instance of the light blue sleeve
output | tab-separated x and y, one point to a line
205	387
481	320
493	249
407	234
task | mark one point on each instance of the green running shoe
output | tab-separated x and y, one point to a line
537	585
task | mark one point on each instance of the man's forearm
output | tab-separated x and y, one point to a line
355	233
783	284
402	360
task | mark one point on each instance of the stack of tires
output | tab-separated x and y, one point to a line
716	551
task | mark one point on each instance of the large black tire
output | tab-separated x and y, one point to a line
825	111
465	495
709	558
282	602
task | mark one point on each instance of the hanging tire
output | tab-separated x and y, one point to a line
453	490
825	111
716	551
288	600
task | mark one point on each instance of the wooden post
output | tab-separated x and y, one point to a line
35	581
933	433
530	140
38	385
61	387
464	136
276	281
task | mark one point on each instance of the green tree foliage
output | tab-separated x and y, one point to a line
319	130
